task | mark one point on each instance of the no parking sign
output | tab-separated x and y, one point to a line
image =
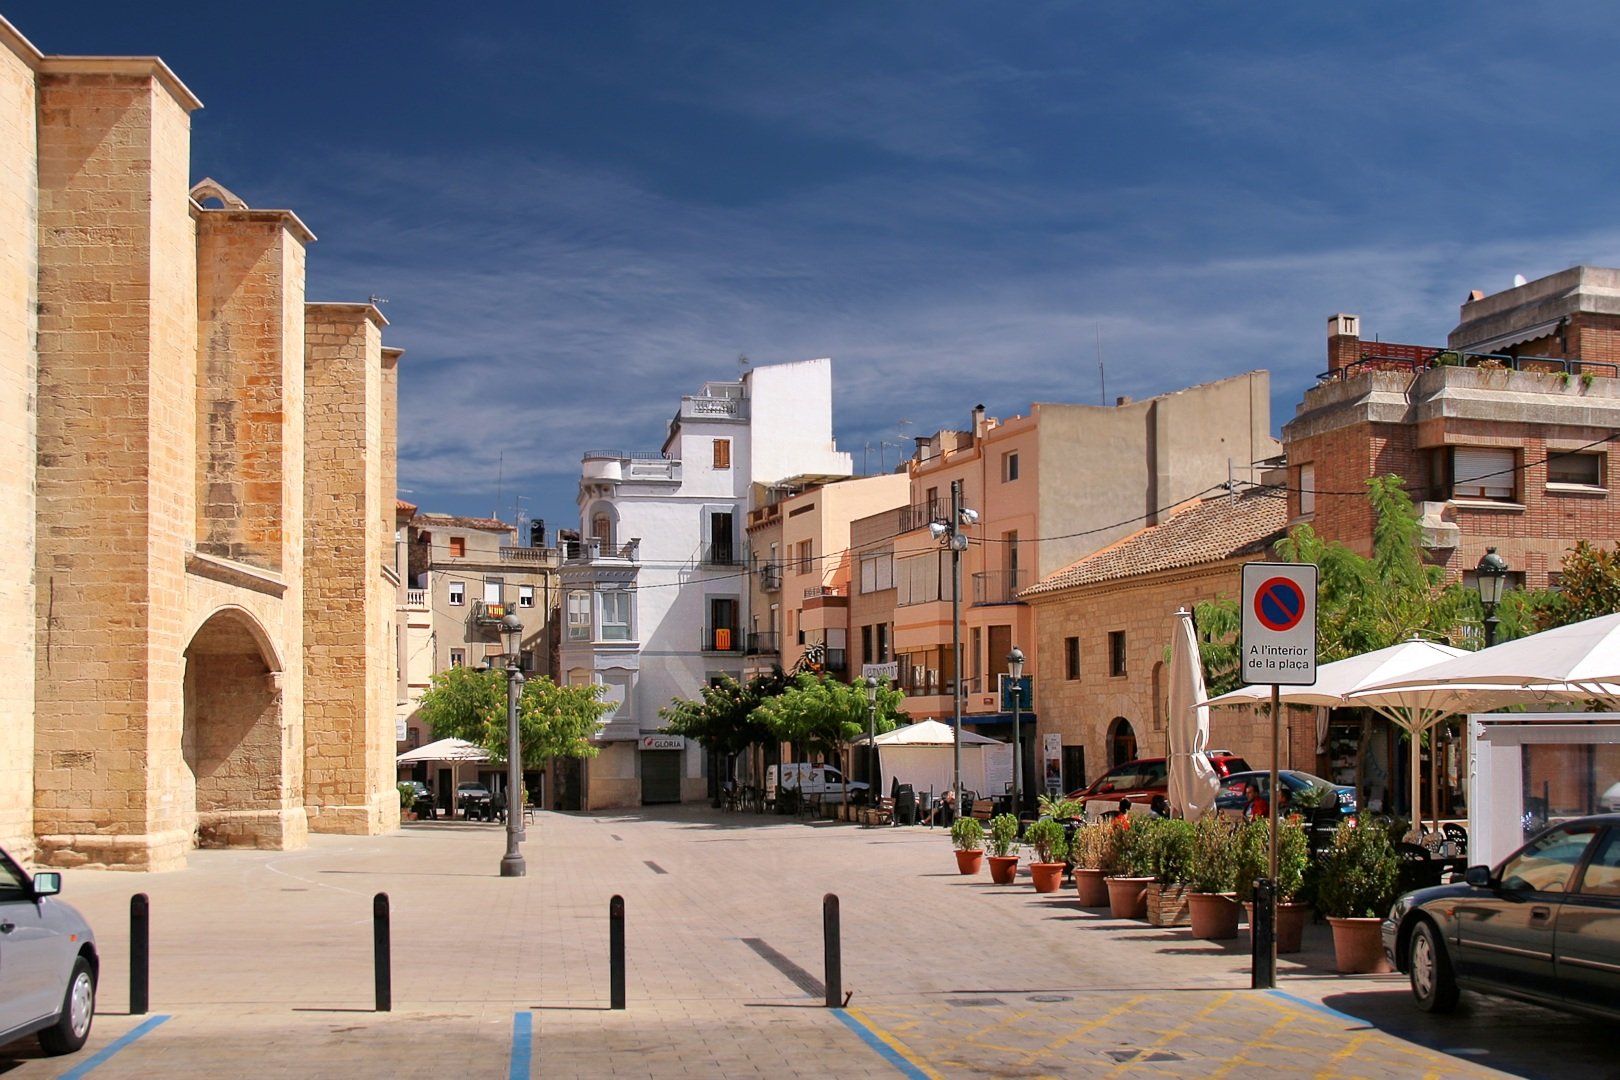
1279	623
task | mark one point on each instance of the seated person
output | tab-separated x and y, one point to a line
1159	807
1259	806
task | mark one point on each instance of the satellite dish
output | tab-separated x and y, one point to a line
1518	279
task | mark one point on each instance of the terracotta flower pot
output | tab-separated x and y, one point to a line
1003	869
1092	887
1292	915
1127	897
1047	876
1357	946
1213	916
969	862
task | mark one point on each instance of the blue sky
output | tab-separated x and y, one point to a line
579	212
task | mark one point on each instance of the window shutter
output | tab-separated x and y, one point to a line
1482	472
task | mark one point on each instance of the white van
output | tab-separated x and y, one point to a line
808	779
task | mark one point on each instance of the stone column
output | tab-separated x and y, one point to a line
115	477
348	599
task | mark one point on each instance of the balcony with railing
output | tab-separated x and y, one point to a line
416	599
722	639
764	643
919	515
486	613
770	576
723	553
593	550
997	587
539	557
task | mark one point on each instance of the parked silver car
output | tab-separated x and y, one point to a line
48	962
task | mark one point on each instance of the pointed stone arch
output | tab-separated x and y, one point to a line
244	775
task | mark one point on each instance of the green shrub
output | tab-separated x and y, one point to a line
1254	856
1213	865
1138	845
1355	878
967	834
1003	834
1173	847
1047	839
407	795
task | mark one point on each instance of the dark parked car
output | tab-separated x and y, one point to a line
48	962
1544	926
475	800
1140	780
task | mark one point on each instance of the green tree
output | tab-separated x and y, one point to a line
1362	604
722	716
1589	586
820	713
553	721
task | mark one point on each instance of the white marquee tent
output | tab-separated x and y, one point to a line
923	755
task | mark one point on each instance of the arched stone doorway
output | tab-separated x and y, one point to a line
1121	741
232	741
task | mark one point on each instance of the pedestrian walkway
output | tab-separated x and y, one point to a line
262	966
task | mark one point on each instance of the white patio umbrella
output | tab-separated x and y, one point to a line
1193	782
1338	682
1581	659
444	750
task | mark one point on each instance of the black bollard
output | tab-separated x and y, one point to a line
832	951
140	953
616	952
382	952
1263	937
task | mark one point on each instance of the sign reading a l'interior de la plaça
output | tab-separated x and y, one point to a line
1279	623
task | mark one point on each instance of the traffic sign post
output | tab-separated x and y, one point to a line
1279	647
1279	623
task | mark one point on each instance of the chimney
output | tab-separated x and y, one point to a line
1344	341
1122	401
978	422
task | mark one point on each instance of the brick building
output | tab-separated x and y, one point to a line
195	461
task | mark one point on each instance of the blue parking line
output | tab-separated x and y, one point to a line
84	1067
522	1042
885	1051
1317	1005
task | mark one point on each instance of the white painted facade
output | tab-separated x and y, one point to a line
655	601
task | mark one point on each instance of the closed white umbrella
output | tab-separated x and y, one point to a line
1193	782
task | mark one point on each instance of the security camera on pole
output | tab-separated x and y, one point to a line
949	534
1279	648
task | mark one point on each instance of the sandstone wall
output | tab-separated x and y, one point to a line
19	197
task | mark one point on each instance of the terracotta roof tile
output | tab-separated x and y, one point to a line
1204	532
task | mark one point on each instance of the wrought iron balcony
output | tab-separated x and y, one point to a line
764	644
724	553
722	639
485	613
770	576
997	587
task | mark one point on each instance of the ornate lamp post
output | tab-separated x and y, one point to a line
1015	670
1489	576
512	864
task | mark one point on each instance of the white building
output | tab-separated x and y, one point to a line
655	595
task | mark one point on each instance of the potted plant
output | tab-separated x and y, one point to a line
407	800
967	836
1293	856
1172	843
1355	885
1212	872
1095	848
1127	886
1050	845
1003	859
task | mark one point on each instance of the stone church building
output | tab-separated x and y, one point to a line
197	469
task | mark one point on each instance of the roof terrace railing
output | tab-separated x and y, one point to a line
1454	358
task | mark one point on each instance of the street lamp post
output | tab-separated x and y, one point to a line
1490	575
512	864
871	736
1015	670
949	534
